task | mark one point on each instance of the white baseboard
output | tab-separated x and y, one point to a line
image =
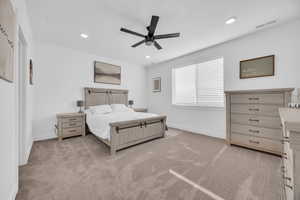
27	153
45	137
14	192
192	130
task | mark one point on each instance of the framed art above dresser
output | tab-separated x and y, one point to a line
252	118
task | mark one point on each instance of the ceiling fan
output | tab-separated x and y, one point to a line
150	38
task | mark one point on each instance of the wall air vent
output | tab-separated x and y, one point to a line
266	24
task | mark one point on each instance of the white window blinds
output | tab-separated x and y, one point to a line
199	84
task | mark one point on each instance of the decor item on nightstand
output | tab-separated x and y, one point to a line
107	73
79	104
30	72
156	84
257	67
130	103
70	124
8	29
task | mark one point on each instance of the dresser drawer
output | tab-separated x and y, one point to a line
71	119
257	143
72	124
254	120
289	194
257	131
256	109
258	98
67	132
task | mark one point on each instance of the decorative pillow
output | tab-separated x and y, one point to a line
120	108
101	109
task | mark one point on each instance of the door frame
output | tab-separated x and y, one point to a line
21	84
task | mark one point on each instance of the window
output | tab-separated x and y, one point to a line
199	84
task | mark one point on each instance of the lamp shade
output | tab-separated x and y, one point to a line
130	102
79	103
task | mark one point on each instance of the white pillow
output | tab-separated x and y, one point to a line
120	108
101	109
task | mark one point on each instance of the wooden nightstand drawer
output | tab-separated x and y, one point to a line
67	132
71	119
72	124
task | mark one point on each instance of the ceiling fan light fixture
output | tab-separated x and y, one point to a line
149	43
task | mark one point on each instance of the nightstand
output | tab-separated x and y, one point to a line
140	109
70	124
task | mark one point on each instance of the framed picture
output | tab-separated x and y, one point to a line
107	73
257	67
8	27
30	72
156	84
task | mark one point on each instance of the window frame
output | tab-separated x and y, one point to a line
189	106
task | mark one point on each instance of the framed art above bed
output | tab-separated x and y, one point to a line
107	73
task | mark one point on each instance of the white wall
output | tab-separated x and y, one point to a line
8	118
283	41
61	75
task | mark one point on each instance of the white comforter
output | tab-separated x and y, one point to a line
99	123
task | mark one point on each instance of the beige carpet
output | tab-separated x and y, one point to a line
180	166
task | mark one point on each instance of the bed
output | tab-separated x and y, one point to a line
124	129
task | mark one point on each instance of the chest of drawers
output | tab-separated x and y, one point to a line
252	118
290	119
70	124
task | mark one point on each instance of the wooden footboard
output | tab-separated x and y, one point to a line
127	133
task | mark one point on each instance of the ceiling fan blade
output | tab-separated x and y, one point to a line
139	43
165	36
157	45
153	24
131	32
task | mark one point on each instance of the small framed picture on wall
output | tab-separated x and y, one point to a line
156	82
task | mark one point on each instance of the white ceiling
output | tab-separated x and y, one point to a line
200	22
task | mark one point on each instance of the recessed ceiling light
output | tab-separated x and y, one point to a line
231	20
147	57
83	35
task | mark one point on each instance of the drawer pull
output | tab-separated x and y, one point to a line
253	109
285	140
254	142
72	131
291	187
253	131
253	98
254	120
72	124
72	119
283	169
287	178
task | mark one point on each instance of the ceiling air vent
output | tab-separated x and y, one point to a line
266	24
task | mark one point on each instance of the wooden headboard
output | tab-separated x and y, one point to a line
100	96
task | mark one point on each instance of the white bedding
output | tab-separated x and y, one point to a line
99	123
